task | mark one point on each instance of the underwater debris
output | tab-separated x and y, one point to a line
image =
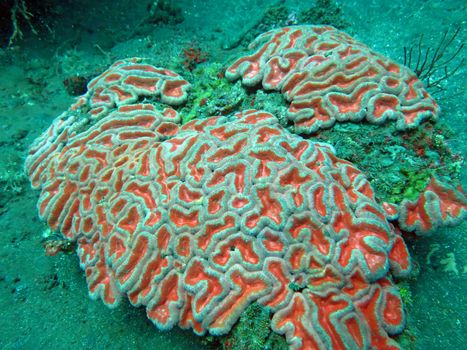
18	16
434	249
12	179
75	85
193	56
20	13
54	243
160	13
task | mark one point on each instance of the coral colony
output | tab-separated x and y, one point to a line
198	221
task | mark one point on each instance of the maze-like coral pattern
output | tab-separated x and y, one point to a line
128	81
437	206
327	76
198	222
120	87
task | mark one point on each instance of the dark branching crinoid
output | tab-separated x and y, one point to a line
435	65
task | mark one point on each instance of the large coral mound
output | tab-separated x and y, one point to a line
328	76
198	222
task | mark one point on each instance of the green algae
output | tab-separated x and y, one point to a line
211	94
398	164
405	293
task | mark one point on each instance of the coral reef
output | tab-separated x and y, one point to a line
127	81
438	205
154	241
329	77
203	219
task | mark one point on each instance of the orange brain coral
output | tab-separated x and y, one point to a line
329	77
198	222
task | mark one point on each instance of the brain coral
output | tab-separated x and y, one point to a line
197	222
438	205
328	76
126	81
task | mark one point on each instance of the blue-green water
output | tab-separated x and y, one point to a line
43	300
